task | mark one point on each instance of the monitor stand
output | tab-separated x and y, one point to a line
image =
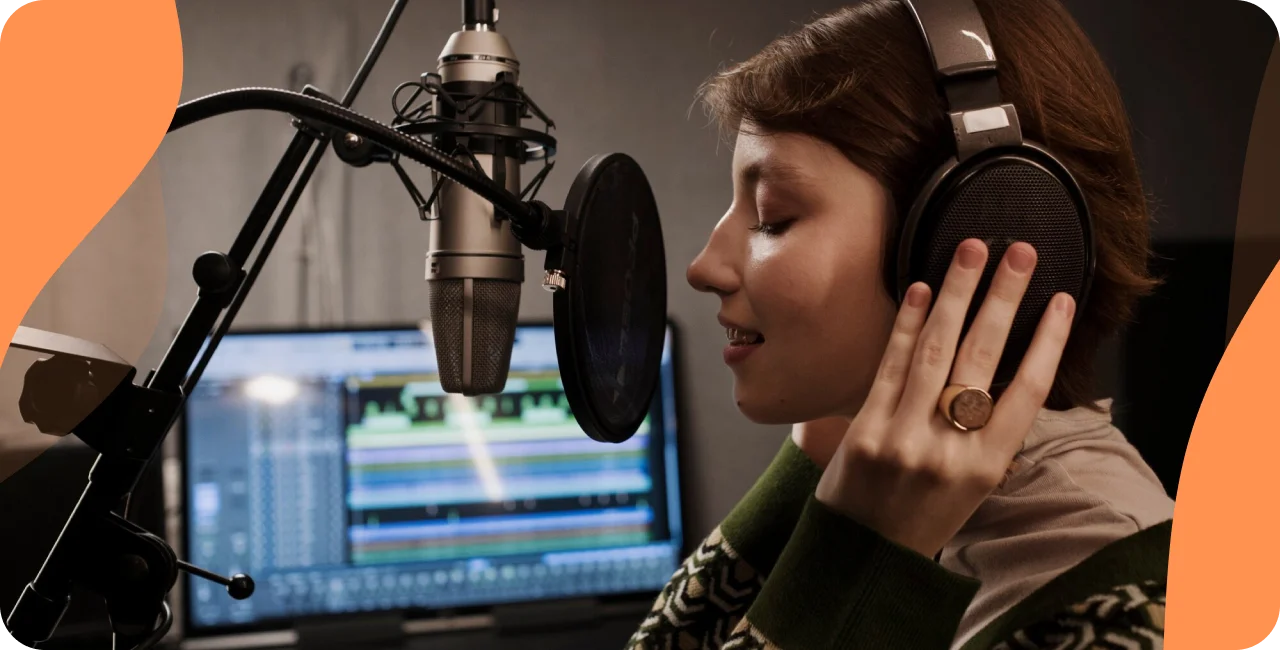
550	615
544	626
370	630
384	631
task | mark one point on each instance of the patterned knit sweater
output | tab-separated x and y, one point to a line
784	572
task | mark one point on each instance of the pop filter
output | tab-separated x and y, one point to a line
611	316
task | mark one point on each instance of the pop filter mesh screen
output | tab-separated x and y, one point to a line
1007	202
619	294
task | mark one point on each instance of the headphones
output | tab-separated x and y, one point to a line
995	186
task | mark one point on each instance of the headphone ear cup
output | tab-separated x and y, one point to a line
1004	196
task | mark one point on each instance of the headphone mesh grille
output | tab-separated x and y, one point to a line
1003	203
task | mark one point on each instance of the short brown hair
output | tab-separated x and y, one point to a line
861	79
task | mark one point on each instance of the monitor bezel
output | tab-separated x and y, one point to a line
180	541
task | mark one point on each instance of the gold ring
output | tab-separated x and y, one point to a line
967	408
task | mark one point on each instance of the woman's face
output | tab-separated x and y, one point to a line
797	265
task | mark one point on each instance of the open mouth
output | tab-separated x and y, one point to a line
741	337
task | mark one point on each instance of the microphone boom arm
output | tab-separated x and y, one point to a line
98	547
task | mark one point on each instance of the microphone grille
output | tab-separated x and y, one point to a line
495	309
445	297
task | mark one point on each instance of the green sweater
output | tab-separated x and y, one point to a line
784	572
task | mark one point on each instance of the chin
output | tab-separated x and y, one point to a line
774	409
778	406
766	416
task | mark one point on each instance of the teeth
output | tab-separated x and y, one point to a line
743	337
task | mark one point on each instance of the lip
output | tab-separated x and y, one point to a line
728	324
736	354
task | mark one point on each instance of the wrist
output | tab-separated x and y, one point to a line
845	491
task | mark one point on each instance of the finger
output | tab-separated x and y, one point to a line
983	345
1021	402
895	365
935	348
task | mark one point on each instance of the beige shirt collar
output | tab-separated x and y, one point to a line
1076	486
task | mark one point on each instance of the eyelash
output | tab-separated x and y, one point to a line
772	229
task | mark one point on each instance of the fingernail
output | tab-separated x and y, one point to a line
1021	258
971	256
917	295
1066	305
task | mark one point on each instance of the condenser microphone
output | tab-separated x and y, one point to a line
605	261
475	264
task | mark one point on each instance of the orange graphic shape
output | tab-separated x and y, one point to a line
1223	561
89	90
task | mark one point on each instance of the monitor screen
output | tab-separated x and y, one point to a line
332	468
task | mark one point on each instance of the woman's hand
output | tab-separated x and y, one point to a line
902	468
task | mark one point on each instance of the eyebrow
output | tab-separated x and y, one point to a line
773	171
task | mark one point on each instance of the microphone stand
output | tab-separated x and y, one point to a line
87	390
99	548
130	568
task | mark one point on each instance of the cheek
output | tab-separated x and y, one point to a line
783	270
855	306
813	279
821	300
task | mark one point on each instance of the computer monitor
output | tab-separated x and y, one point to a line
332	468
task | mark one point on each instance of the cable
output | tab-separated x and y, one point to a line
244	99
366	66
158	635
379	42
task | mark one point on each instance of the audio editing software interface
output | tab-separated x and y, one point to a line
333	468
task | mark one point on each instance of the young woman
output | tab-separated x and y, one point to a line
880	524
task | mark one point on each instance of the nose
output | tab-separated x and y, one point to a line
715	270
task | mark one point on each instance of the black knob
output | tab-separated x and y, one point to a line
241	586
357	151
212	272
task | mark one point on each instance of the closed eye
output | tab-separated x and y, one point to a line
772	229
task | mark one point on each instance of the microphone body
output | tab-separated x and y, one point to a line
475	264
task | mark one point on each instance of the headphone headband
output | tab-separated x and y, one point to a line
955	35
965	66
